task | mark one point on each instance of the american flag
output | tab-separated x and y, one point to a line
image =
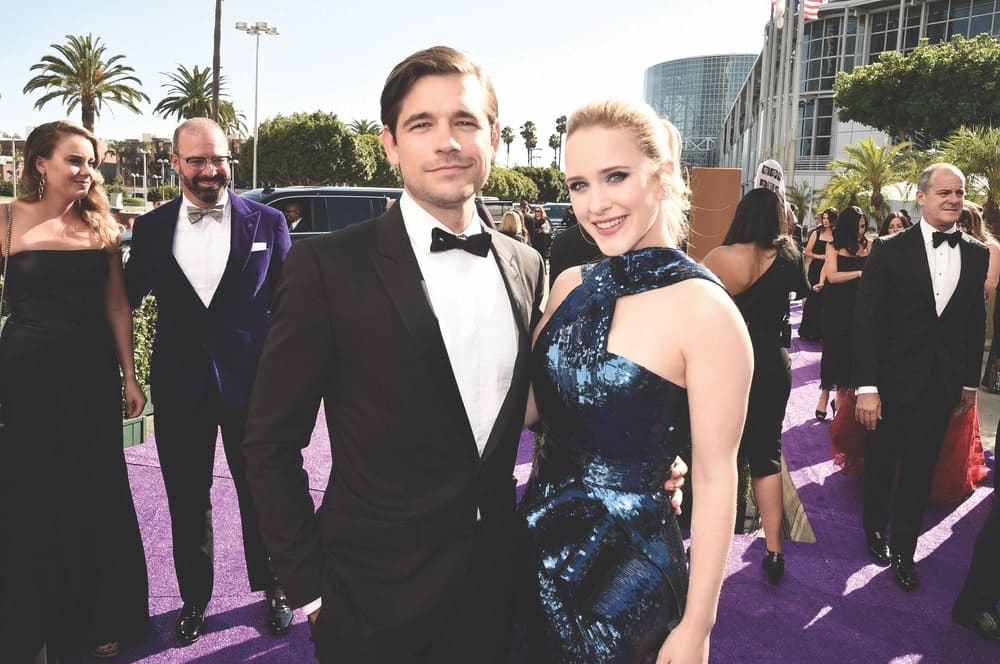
810	8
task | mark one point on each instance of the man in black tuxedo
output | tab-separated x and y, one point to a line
919	328
414	329
976	606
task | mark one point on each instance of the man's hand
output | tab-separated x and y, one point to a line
674	483
967	401
868	410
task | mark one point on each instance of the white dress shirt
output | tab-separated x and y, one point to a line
202	248
945	263
469	299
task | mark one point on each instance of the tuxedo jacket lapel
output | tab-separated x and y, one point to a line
165	230
243	228
916	255
521	301
397	267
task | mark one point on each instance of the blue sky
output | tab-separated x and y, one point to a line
546	58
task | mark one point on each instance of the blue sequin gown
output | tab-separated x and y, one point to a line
606	554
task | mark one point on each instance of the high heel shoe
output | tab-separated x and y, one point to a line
774	566
833	406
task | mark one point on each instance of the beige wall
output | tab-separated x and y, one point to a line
715	193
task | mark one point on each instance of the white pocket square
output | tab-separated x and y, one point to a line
258	246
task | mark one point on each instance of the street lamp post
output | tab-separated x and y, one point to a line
135	185
13	161
145	187
257	29
163	169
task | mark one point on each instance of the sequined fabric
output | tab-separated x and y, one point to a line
607	554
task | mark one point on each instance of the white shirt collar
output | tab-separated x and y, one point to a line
419	222
928	231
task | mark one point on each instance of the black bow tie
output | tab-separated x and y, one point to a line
951	238
478	244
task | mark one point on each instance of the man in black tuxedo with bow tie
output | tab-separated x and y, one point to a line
414	329
919	328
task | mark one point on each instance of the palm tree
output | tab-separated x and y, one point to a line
530	135
83	77
192	98
801	196
507	136
561	130
976	150
217	61
844	189
361	126
876	167
555	142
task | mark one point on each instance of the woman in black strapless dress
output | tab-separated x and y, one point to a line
811	327
845	260
73	567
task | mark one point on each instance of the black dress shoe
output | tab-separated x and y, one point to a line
820	415
878	548
279	612
904	571
986	622
190	623
774	566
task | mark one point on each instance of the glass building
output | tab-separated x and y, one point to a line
789	113
695	94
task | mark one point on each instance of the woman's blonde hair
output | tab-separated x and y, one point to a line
972	214
511	222
658	139
95	210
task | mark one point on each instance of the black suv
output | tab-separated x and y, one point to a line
325	209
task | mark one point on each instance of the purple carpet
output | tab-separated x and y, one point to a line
833	606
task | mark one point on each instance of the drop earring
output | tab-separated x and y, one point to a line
41	187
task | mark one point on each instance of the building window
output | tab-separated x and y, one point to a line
815	127
820	48
884	31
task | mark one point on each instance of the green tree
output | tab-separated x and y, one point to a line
190	96
530	135
551	183
876	166
976	150
801	195
308	148
561	130
903	95
510	185
82	75
844	189
384	173
507	136
361	126
555	142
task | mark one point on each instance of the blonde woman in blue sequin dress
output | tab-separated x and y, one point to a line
635	356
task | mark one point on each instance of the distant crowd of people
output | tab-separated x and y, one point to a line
432	341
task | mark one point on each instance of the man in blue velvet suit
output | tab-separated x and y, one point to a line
211	259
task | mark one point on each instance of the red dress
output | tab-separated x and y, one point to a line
960	466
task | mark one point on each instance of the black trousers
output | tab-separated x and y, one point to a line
476	626
185	442
982	584
911	435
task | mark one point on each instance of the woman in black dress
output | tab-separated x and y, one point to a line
845	259
74	570
811	328
762	270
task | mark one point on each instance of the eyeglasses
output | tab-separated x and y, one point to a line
199	163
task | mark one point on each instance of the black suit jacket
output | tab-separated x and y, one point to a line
352	326
900	343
